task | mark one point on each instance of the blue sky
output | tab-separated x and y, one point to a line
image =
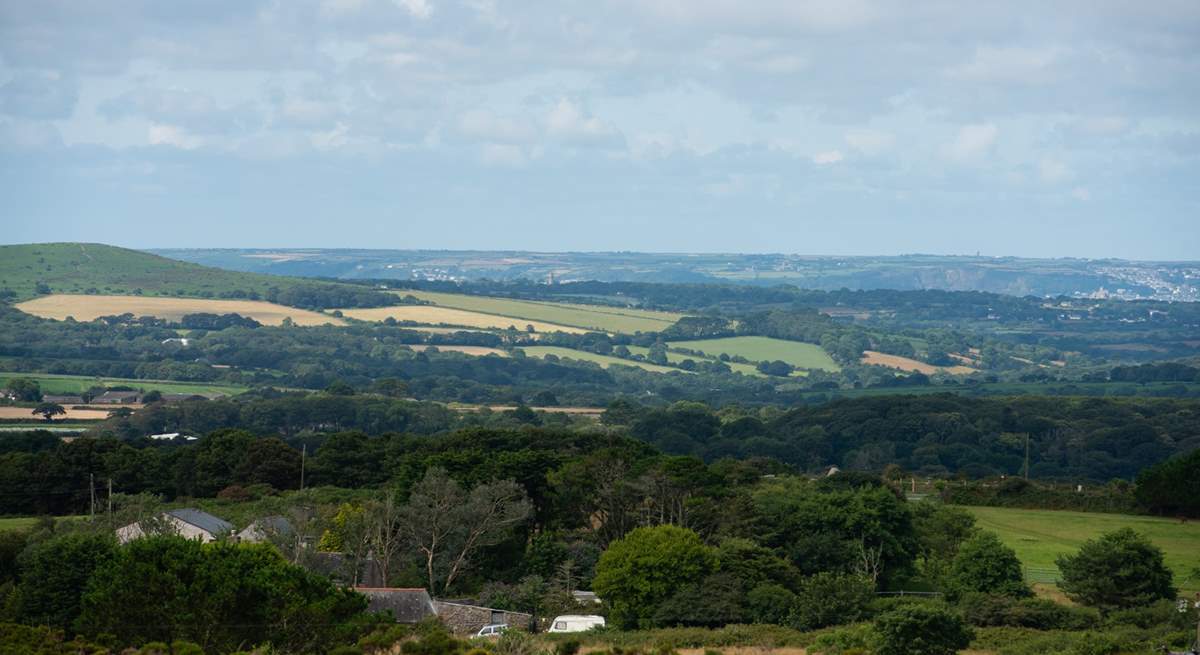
821	127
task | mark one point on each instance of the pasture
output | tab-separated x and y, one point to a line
590	317
764	349
675	358
911	365
74	384
434	315
603	360
1040	536
88	308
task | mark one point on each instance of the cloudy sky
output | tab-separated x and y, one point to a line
824	127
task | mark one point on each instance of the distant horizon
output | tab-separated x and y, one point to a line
981	256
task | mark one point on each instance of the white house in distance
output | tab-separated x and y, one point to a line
187	522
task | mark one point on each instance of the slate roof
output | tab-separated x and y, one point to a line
202	520
266	526
405	605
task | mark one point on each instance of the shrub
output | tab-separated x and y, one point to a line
1119	570
997	610
645	568
984	564
921	630
831	599
770	603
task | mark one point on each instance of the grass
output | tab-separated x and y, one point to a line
588	317
602	360
759	349
675	358
84	267
73	384
433	315
89	307
1040	536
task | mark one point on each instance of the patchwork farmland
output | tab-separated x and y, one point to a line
764	349
434	315
89	307
911	365
603	360
589	317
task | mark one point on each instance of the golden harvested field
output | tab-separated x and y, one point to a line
593	317
87	308
911	365
479	351
26	413
434	315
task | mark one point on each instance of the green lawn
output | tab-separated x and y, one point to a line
760	349
1040	536
603	360
70	384
591	317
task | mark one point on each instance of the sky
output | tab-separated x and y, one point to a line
1028	128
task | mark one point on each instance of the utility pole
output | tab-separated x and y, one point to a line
110	516
303	457
92	504
1026	456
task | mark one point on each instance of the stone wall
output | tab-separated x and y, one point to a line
468	619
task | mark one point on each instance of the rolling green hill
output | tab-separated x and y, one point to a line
30	270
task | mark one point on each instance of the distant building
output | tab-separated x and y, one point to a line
405	605
168	436
187	522
585	597
183	341
467	619
265	528
180	397
117	398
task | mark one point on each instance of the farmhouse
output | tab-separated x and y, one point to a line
187	522
405	605
265	528
117	398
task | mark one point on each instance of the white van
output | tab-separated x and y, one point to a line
576	623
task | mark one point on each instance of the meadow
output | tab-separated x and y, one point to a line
590	317
89	307
478	351
761	349
675	358
602	360
1040	536
434	315
74	384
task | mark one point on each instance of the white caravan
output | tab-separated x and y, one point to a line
576	623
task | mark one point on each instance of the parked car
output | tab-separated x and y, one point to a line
491	631
576	623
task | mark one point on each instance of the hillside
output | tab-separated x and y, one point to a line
30	270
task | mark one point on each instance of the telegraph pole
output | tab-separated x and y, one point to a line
303	457
92	490
1026	456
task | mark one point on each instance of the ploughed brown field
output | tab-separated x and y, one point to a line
86	308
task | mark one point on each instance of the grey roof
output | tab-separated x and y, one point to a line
202	520
267	526
405	605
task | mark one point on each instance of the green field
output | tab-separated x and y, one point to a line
591	317
1039	536
761	349
603	360
675	358
71	384
101	269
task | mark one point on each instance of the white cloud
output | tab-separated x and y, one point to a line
503	154
485	126
869	142
1081	194
569	123
1014	64
1054	171
416	8
171	135
971	142
827	157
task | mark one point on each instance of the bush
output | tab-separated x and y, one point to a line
984	564
770	603
827	599
1119	570
921	630
1038	613
845	640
